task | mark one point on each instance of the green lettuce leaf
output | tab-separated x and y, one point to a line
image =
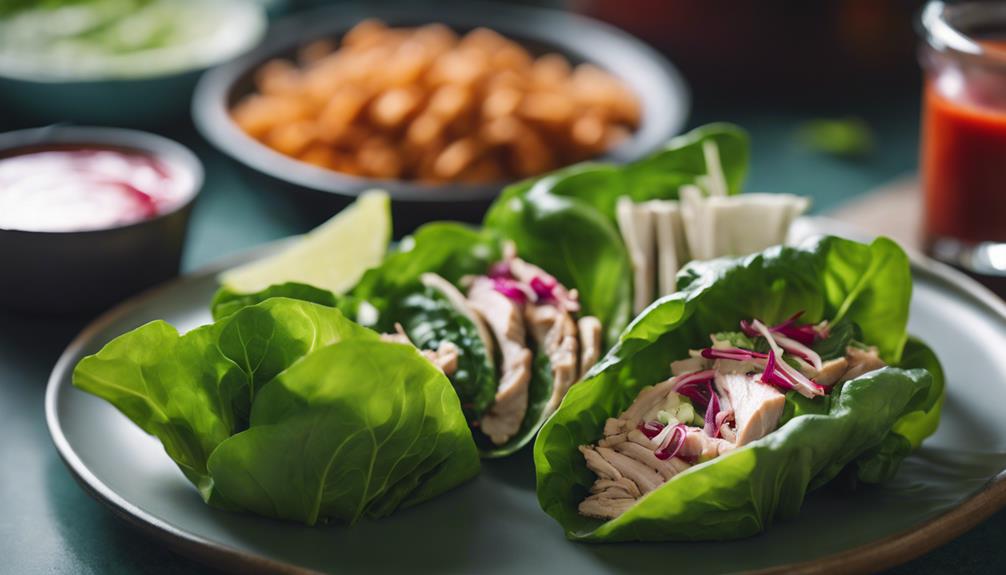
448	249
866	422
429	319
359	428
286	408
193	391
227	301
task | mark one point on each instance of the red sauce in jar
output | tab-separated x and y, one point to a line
80	188
964	154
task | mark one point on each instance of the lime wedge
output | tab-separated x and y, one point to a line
332	256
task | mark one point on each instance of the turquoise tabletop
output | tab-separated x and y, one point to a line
49	525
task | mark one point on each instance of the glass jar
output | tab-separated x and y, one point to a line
963	156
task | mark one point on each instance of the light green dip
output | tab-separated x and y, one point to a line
101	39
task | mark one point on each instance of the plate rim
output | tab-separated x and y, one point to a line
884	553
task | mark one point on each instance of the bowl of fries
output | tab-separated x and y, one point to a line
440	108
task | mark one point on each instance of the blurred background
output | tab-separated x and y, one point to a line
829	90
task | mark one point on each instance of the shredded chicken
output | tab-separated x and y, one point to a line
831	371
505	319
857	361
627	454
701	447
445	357
717	400
554	332
861	361
547	317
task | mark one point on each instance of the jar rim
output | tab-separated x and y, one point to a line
945	28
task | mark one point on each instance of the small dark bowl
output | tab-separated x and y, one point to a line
87	271
654	80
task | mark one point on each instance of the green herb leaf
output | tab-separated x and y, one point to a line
429	319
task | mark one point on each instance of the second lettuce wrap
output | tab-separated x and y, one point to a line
865	427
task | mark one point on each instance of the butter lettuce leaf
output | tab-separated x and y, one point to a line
288	409
356	429
227	301
448	249
864	426
193	391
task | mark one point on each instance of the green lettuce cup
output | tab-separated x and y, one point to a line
862	430
288	409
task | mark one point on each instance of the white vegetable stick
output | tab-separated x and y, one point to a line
672	248
716	179
749	223
693	216
636	225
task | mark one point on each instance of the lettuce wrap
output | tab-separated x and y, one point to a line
862	429
563	223
287	409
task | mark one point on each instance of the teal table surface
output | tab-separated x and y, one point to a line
49	525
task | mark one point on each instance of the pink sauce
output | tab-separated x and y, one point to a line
68	189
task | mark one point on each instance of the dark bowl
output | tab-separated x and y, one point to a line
654	80
87	271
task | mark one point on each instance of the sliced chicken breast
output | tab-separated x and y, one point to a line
831	372
757	407
526	273
699	446
445	357
554	332
505	319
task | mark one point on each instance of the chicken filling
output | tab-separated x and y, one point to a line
526	309
517	309
718	399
